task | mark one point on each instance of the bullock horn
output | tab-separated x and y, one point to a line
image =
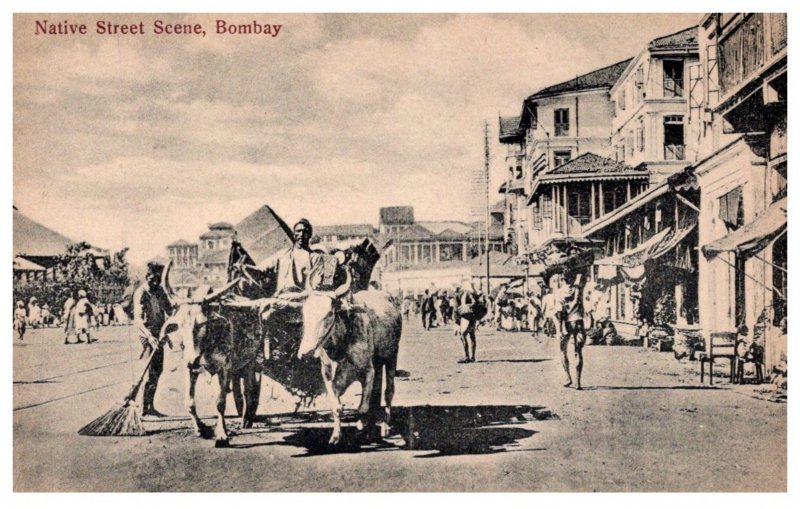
166	286
214	295
342	289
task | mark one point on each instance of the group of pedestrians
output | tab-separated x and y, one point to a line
78	317
462	308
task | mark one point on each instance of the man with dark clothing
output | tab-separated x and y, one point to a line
151	307
573	329
427	310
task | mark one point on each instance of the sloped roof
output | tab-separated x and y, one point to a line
263	233
32	238
437	227
599	78
182	243
216	256
683	39
499	207
500	265
413	232
216	234
220	226
397	215
360	230
509	128
592	163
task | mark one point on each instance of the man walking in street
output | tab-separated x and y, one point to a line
573	330
426	309
151	307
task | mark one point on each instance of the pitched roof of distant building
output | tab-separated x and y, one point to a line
220	226
33	238
683	39
182	243
345	230
599	78
216	256
216	234
397	215
437	227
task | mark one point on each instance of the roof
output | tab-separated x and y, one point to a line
500	265
216	256
220	226
216	234
683	39
592	163
397	215
604	77
438	227
21	263
33	238
509	129
499	207
182	243
263	233
347	230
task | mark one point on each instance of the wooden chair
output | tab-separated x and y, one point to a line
719	345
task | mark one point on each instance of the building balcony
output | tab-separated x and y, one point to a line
749	45
674	152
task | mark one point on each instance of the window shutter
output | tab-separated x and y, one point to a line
696	92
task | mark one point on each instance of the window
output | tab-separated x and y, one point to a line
547	207
639	84
537	215
518	175
578	207
674	149
673	78
210	244
629	143
561	121
621	153
731	210
622	99
561	157
640	136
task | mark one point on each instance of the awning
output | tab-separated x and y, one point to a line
654	247
753	237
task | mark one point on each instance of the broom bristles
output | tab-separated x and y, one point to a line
121	421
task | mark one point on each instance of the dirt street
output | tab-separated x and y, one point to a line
504	423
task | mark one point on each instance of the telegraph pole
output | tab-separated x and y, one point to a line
486	199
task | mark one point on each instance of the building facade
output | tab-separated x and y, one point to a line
743	178
651	106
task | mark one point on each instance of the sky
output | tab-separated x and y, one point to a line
139	140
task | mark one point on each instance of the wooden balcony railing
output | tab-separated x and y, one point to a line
748	47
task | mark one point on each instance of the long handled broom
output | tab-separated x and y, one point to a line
124	420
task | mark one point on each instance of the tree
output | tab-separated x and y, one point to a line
103	277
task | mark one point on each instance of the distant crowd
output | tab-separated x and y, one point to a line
78	317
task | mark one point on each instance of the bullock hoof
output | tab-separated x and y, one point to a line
247	424
385	429
334	439
222	443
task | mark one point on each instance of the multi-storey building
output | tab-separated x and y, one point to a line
743	176
561	175
651	106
